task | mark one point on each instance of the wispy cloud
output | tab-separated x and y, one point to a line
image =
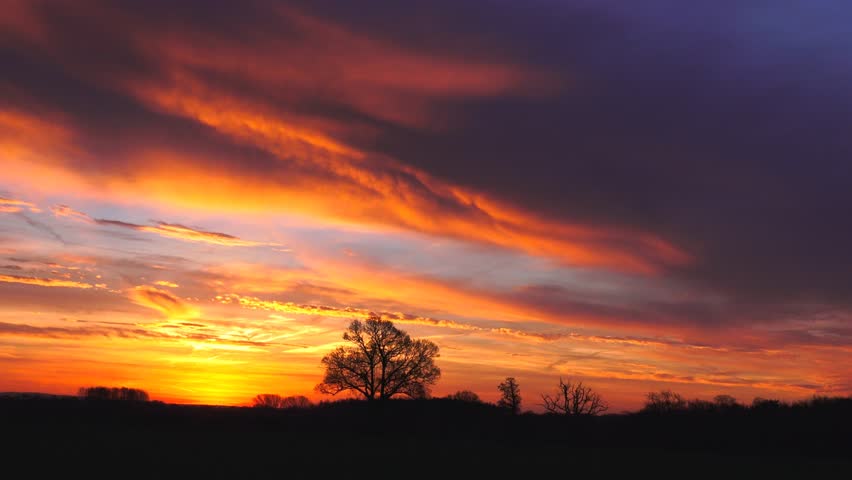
164	229
10	205
66	211
255	303
44	282
170	305
182	232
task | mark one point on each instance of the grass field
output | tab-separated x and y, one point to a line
408	439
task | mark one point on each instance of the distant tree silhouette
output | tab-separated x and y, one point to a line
510	395
574	399
271	400
839	405
113	393
725	401
465	396
766	404
268	400
701	406
665	401
382	362
297	401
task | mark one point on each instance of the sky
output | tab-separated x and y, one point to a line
196	198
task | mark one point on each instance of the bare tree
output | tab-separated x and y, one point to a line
574	399
271	400
382	362
465	396
665	401
268	400
511	395
296	401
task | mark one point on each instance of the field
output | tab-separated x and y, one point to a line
410	439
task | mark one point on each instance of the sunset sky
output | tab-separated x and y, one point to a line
196	198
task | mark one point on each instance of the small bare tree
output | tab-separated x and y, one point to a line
271	400
511	395
268	400
574	399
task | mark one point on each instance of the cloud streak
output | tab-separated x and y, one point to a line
163	229
44	282
10	205
168	304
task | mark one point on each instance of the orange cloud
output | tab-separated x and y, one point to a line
43	282
166	283
363	194
399	200
9	205
66	211
162	301
321	173
255	303
378	78
181	232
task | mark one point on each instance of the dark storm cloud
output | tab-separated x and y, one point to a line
720	125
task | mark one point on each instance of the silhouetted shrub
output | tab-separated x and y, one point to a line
700	406
113	393
767	404
826	404
725	401
296	401
465	396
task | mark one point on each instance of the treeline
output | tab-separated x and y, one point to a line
271	400
113	393
667	402
570	398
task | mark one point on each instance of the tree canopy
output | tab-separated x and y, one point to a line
381	362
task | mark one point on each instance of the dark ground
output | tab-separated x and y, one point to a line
414	439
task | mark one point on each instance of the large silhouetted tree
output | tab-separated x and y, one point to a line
510	395
382	362
574	399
